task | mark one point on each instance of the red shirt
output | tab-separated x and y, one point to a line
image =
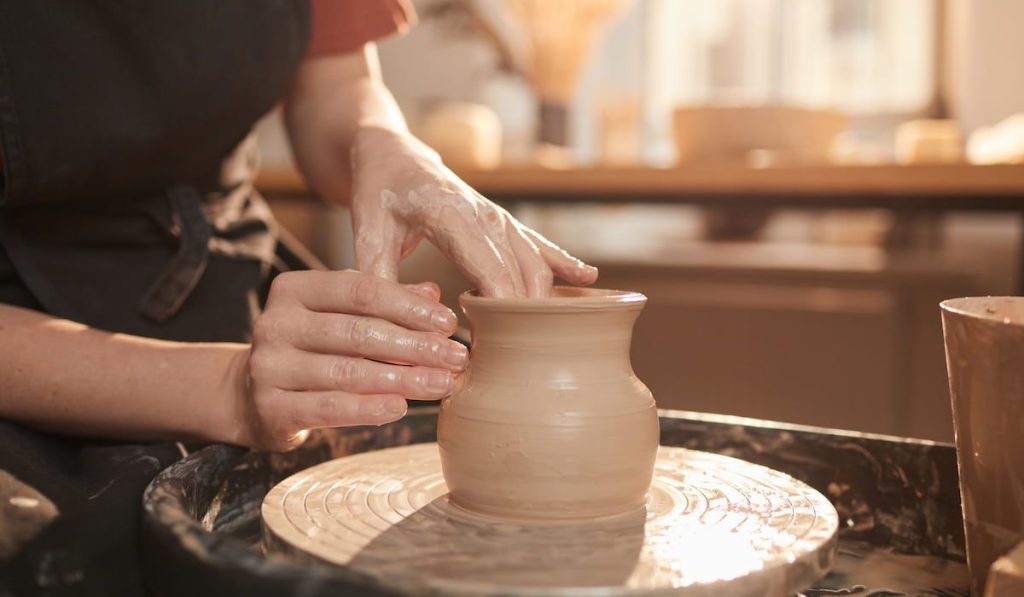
345	25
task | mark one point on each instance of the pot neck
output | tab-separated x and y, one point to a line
546	345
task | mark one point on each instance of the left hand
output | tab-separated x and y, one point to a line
402	193
340	348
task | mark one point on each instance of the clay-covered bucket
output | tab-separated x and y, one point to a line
985	357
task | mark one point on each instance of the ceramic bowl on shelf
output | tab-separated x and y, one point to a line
770	134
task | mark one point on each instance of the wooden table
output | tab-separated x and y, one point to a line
909	190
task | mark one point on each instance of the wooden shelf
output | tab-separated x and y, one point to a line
942	187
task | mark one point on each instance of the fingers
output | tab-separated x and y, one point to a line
383	264
285	417
282	419
508	257
563	264
502	257
301	371
310	361
367	337
315	410
378	243
361	294
496	222
465	244
537	276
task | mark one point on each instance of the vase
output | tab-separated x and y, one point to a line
985	358
549	420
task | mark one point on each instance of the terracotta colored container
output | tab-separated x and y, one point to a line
550	421
985	357
730	133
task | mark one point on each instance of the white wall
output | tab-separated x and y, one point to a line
986	78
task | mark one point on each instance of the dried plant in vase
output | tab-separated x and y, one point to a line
555	40
560	36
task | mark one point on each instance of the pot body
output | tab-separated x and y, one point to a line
550	421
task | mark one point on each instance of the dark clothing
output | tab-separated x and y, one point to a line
118	118
128	206
116	99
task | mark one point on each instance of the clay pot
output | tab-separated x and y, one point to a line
550	422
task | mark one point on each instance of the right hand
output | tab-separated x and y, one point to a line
403	193
333	349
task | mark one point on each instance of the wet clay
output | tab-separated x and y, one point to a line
985	356
550	421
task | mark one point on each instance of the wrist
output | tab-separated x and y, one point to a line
228	416
381	143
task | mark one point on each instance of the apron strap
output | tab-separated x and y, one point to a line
166	296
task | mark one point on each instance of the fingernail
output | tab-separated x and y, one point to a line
438	381
394	406
588	270
444	320
455	355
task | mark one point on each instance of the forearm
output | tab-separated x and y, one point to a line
345	93
61	376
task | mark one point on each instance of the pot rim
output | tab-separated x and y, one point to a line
563	298
973	307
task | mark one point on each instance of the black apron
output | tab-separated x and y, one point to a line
128	206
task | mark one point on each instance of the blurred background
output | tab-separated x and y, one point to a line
795	184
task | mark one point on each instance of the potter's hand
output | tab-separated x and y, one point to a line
353	147
402	192
325	353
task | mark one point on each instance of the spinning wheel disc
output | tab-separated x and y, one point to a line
711	524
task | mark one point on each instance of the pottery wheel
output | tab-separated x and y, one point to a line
712	525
